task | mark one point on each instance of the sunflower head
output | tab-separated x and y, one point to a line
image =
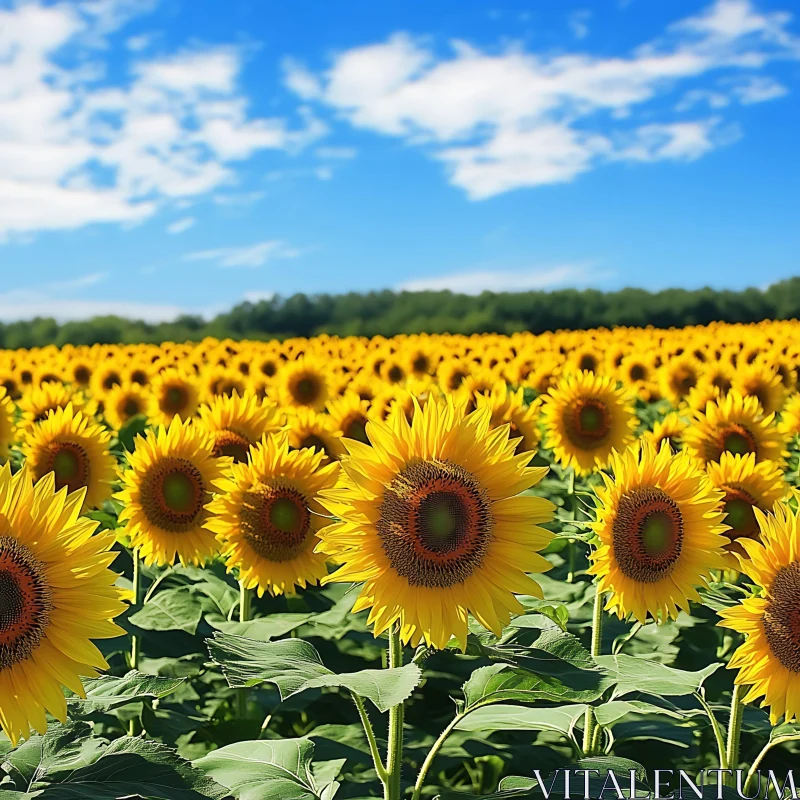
734	424
303	383
433	523
75	449
7	427
266	515
310	430
769	660
123	402
747	486
586	418
51	561
237	423
173	393
165	490
659	522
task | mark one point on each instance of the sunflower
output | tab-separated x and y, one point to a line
56	595
350	414
237	422
748	486
790	417
764	383
308	429
660	527
508	407
172	393
670	429
36	403
585	419
266	516
6	424
165	492
433	524
678	377
769	660
734	424
75	449
303	384
123	402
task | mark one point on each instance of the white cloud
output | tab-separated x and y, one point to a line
579	23
253	255
336	153
505	120
475	282
74	150
181	225
759	90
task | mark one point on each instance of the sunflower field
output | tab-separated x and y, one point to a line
411	567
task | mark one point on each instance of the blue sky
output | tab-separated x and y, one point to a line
168	156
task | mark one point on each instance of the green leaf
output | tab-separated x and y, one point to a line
640	675
108	692
170	610
264	629
609	713
67	765
294	665
502	717
503	682
262	770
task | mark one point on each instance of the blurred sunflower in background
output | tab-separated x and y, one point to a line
308	429
7	427
303	384
124	402
172	394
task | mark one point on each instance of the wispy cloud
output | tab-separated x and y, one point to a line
181	225
252	255
477	281
500	121
75	150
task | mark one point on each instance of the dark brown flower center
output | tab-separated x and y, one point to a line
306	390
740	516
587	423
782	617
25	602
435	523
233	444
647	534
69	462
174	399
173	494
276	521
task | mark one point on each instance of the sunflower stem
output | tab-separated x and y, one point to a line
244	615
574	509
136	643
590	721
137	601
396	715
760	757
735	727
426	765
373	742
715	727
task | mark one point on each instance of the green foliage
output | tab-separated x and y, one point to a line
388	313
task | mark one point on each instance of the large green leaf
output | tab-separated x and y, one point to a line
501	717
503	682
65	764
263	770
108	692
609	713
294	665
170	610
263	629
632	674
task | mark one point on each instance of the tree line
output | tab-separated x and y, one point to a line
388	313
